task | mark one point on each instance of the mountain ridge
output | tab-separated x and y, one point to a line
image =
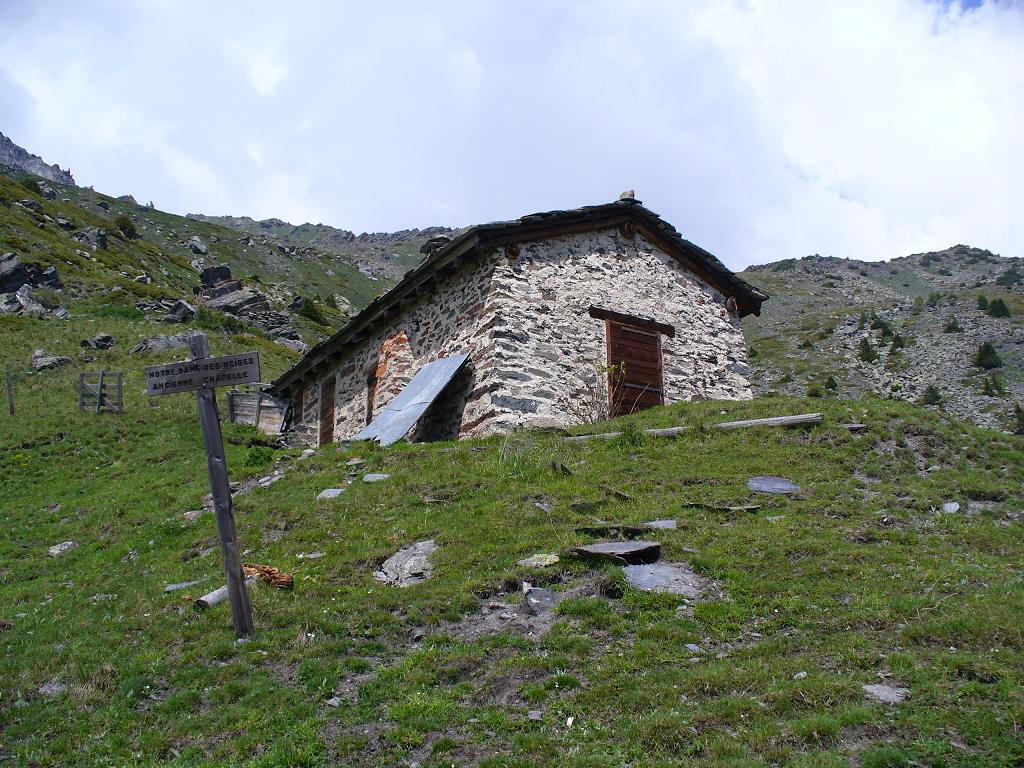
20	159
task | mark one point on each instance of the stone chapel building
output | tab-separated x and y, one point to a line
550	319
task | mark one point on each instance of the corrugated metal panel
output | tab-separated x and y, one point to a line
402	413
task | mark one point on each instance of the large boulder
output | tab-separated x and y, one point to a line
211	276
43	360
181	312
240	302
13	273
197	246
29	306
93	237
99	341
161	342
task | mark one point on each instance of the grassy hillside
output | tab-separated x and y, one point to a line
160	249
386	255
858	579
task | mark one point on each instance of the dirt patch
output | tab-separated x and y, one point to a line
503	615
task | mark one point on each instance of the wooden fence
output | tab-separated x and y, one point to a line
101	392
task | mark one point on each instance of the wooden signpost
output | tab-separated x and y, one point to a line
202	374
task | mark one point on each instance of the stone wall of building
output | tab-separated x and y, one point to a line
450	320
536	356
551	355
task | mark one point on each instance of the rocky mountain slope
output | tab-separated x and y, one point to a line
895	328
377	255
18	159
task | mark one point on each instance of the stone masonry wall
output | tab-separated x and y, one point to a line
551	355
448	321
536	356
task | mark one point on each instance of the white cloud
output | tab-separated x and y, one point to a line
762	129
261	61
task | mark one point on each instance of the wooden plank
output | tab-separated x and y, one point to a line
800	420
638	322
99	393
202	374
217	468
327	411
81	391
259	407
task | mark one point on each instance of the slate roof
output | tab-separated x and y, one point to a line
445	259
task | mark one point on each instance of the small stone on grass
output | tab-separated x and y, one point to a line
330	493
661	524
59	549
542	560
409	565
886	694
375	477
52	688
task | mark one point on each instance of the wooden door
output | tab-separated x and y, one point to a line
327	411
634	368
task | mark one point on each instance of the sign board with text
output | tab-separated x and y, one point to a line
206	373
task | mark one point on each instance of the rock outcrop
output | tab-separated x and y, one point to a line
22	160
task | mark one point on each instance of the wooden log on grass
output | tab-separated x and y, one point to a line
800	420
218	596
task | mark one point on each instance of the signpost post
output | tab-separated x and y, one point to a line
203	374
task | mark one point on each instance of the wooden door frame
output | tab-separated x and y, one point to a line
647	326
328	384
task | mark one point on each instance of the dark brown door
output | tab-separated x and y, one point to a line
634	368
327	411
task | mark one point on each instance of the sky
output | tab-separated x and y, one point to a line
761	129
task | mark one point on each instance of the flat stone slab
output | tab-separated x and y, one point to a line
623	551
542	560
375	477
409	565
886	694
765	484
330	493
950	507
661	524
674	578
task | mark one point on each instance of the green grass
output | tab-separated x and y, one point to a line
858	579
